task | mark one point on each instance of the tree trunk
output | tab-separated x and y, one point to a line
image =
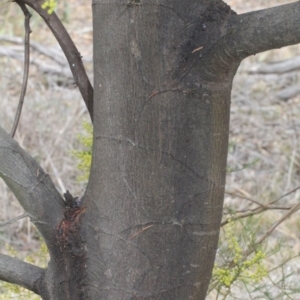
155	196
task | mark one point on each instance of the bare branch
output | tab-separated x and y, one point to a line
27	15
293	209
286	194
266	29
254	246
246	198
70	50
18	272
14	220
260	209
249	34
53	53
44	66
32	187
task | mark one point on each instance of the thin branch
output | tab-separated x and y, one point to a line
41	64
27	15
18	272
246	198
260	209
14	220
286	194
293	209
70	50
252	248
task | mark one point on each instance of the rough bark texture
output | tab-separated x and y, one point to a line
155	196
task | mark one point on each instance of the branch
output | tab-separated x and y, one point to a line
249	34
26	66
254	246
18	272
14	220
70	50
257	210
43	66
31	186
293	209
266	29
51	52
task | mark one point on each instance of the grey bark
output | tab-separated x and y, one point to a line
19	272
160	148
31	185
149	224
161	115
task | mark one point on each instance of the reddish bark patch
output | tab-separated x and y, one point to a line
72	248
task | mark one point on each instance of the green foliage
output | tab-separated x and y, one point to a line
12	291
245	267
237	266
50	5
85	156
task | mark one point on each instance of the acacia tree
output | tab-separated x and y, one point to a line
148	223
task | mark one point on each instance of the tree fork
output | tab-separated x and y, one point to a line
72	249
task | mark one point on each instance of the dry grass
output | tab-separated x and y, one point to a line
263	128
264	133
52	116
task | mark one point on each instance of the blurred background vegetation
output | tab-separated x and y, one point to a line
256	258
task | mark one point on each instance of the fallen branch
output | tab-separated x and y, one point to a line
289	92
284	66
51	52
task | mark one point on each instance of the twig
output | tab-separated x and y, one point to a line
246	253
284	195
42	65
53	53
293	209
70	51
260	209
27	15
246	198
14	220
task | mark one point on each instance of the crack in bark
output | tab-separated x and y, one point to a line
121	139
